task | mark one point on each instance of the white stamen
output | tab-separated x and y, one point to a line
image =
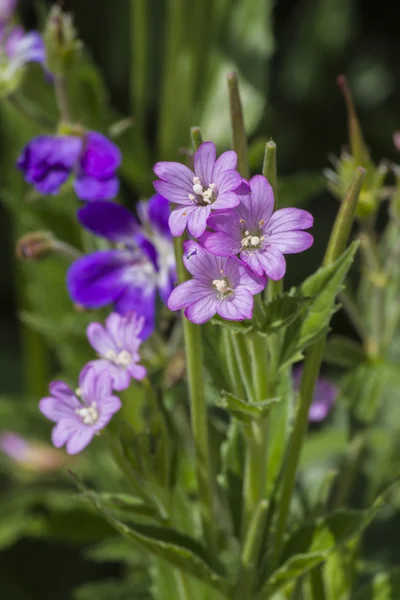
192	197
88	414
196	180
122	359
222	286
254	240
198	189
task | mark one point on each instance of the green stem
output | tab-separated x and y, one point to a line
244	364
232	365
139	54
350	468
269	169
194	362
237	123
317	583
337	244
251	551
61	91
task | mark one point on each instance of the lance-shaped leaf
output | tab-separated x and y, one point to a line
311	544
343	352
181	551
245	411
125	506
362	390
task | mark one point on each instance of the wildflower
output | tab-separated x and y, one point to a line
117	344
17	48
214	185
260	236
48	160
128	275
220	285
32	456
80	415
7	9
324	396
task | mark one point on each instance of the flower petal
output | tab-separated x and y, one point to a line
109	220
64	430
158	214
227	161
237	307
204	161
176	173
198	220
289	219
55	409
220	243
94	385
249	280
203	310
99	338
291	242
272	261
173	193
227	181
100	158
99	278
261	202
251	260
178	219
226	200
202	264
79	439
91	189
188	293
120	377
108	406
140	298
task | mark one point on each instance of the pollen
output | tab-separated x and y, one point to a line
88	414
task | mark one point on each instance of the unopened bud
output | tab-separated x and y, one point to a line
35	246
62	43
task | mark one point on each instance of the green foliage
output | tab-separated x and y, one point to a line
245	411
384	586
343	352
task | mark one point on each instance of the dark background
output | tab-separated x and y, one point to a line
315	40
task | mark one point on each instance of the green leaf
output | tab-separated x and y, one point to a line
384	586
280	312
111	590
362	389
311	544
181	551
245	411
126	506
343	352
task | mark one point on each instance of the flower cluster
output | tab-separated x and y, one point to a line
47	162
81	414
240	239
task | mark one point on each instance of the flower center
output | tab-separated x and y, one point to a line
122	359
88	414
222	287
202	196
252	242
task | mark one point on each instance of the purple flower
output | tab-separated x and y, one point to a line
260	236
48	160
214	185
128	275
32	456
80	415
117	344
220	285
324	396
18	48
7	9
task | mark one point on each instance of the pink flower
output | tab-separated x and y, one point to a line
214	185
80	415
223	286
260	236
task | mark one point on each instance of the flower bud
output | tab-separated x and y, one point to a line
62	44
35	245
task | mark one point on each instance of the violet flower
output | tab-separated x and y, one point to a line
214	185
80	415
117	344
260	236
32	456
47	161
17	48
220	285
130	274
325	394
7	9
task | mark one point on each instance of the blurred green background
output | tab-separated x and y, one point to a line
288	68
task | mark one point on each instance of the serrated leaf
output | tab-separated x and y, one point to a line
280	312
384	586
244	326
311	544
323	286
343	352
181	551
245	411
126	506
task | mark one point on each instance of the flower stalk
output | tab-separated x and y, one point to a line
336	245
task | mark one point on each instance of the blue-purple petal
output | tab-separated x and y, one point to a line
101	157
90	189
158	211
142	300
109	220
